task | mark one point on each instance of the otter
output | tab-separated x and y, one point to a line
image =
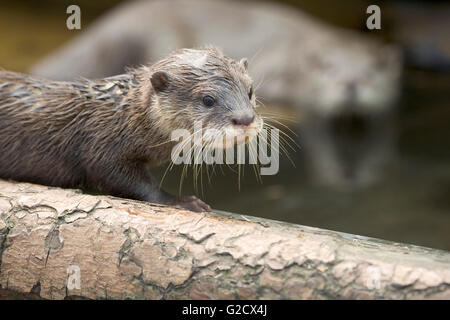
102	134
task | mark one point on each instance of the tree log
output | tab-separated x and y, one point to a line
130	249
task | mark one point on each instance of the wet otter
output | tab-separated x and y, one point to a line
101	134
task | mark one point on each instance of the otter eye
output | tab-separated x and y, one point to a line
208	101
250	93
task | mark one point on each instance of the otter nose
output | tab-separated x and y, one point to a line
243	120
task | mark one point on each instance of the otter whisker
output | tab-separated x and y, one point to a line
255	166
282	124
181	147
281	147
284	135
268	115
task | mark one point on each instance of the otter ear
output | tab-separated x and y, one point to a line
160	81
244	63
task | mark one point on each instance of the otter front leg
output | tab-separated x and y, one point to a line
157	195
191	203
135	182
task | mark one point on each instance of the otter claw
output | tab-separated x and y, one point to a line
193	203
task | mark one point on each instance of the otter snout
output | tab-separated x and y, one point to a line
243	119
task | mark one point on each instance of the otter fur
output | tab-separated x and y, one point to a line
102	134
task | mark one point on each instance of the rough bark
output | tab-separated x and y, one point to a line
130	249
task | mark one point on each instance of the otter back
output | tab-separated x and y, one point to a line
54	133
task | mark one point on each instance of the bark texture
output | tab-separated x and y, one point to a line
130	249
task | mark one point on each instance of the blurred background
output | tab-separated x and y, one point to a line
379	174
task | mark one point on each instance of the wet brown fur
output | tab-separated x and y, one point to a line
102	134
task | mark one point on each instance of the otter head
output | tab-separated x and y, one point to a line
203	87
332	74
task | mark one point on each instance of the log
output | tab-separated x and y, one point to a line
59	243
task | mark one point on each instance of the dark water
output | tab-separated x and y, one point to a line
409	203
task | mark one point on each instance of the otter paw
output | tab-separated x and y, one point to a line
192	203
